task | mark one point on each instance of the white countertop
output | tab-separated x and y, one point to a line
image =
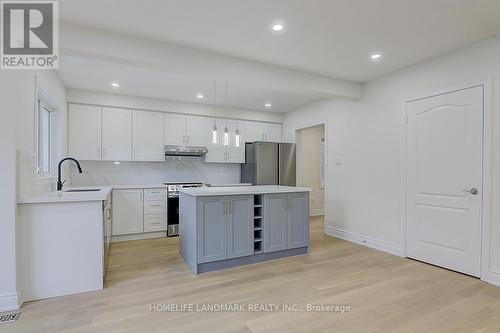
53	197
123	187
228	184
235	190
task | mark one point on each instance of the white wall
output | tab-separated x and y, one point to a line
17	148
309	166
11	90
49	82
364	194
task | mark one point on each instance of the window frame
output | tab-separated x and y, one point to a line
43	105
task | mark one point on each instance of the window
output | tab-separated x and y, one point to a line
44	152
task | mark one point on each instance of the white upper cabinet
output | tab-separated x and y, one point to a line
216	151
235	154
253	131
175	129
195	131
84	132
147	136
116	134
220	153
256	131
272	132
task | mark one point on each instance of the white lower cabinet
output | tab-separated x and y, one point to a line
128	212
137	211
154	222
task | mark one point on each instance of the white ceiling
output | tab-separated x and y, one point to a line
328	37
96	75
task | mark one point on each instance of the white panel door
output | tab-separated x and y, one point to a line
235	154
128	212
216	151
195	131
116	134
84	132
175	129
253	131
444	180
272	132
147	136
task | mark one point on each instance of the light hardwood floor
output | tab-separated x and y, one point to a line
386	294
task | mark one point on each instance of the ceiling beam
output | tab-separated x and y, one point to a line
194	63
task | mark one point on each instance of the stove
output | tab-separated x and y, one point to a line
173	205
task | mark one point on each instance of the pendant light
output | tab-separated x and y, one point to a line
226	131
214	130
237	133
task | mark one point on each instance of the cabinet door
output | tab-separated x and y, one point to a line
211	231
275	222
216	151
272	132
236	154
116	134
147	136
239	226
128	213
253	131
175	128
298	219
195	131
84	132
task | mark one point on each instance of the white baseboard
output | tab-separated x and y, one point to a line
317	212
493	277
146	235
9	302
366	241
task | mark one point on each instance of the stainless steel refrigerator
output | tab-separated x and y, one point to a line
269	163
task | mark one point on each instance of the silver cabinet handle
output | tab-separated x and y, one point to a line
103	153
187	138
99	153
155	205
230	204
473	191
140	196
225	206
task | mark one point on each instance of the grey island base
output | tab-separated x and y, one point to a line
232	226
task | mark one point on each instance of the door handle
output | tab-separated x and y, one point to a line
473	191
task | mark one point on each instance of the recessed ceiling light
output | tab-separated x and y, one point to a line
115	84
277	27
268	105
200	96
376	56
116	162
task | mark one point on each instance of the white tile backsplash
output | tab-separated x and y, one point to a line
145	173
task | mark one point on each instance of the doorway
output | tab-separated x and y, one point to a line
311	166
444	179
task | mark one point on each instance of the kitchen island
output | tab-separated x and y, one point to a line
222	227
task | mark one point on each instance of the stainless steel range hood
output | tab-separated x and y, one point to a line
185	151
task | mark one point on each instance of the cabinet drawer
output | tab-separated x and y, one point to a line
154	193
155	222
154	207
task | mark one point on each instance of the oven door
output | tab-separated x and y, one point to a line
173	216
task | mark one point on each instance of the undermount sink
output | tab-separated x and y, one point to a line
84	190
